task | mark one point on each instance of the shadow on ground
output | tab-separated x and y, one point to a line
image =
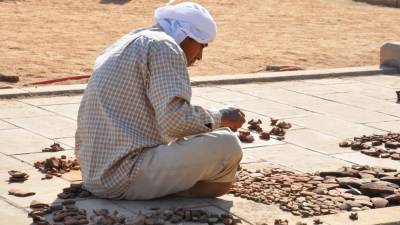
118	2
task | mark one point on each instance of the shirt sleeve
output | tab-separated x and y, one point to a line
169	92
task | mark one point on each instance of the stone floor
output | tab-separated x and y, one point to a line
323	112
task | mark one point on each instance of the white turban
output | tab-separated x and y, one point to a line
187	19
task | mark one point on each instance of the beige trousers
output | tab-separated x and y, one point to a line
168	169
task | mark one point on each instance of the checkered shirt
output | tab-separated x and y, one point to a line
137	97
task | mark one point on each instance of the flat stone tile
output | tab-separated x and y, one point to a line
67	110
10	163
315	90
388	215
18	141
51	88
271	109
253	212
52	100
23	111
4	125
48	126
315	141
205	103
329	81
10	214
335	127
46	190
67	141
381	80
8	91
162	203
393	126
225	96
296	158
350	113
359	158
366	89
11	103
366	102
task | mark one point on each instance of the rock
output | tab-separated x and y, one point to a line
392	144
345	144
337	174
376	188
284	125
352	181
353	216
20	193
379	202
394	198
392	179
37	205
395	156
371	152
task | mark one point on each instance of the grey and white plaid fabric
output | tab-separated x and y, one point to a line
138	97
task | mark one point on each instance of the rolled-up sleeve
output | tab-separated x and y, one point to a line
169	92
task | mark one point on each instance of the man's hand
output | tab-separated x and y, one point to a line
232	117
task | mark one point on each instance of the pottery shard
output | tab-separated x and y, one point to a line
352	181
20	193
392	144
395	198
392	179
379	202
376	188
395	156
345	144
37	205
337	174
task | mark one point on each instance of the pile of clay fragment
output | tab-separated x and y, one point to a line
381	146
277	131
347	189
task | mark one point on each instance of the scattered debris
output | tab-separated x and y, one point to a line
73	191
380	146
56	166
17	176
278	130
56	147
20	193
182	216
303	194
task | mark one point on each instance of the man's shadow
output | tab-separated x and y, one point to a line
118	2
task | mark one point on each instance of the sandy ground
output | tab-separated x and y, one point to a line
46	39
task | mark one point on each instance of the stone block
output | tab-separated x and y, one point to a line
390	54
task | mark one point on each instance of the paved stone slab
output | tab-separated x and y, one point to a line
67	141
54	88
335	127
255	213
330	81
361	159
314	90
294	157
383	216
391	81
271	109
224	95
52	100
48	126
10	214
4	125
46	190
366	102
393	126
18	141
315	141
10	163
67	110
366	89
22	111
11	104
206	103
350	113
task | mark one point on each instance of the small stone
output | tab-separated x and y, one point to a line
376	188
395	156
20	193
274	121
265	136
353	216
345	144
379	202
394	198
37	205
391	144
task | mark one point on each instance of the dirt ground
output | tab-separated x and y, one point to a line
47	39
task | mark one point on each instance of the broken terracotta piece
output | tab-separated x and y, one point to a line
255	125
284	125
274	121
73	191
17	176
277	131
265	136
56	147
56	166
245	136
353	216
20	193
